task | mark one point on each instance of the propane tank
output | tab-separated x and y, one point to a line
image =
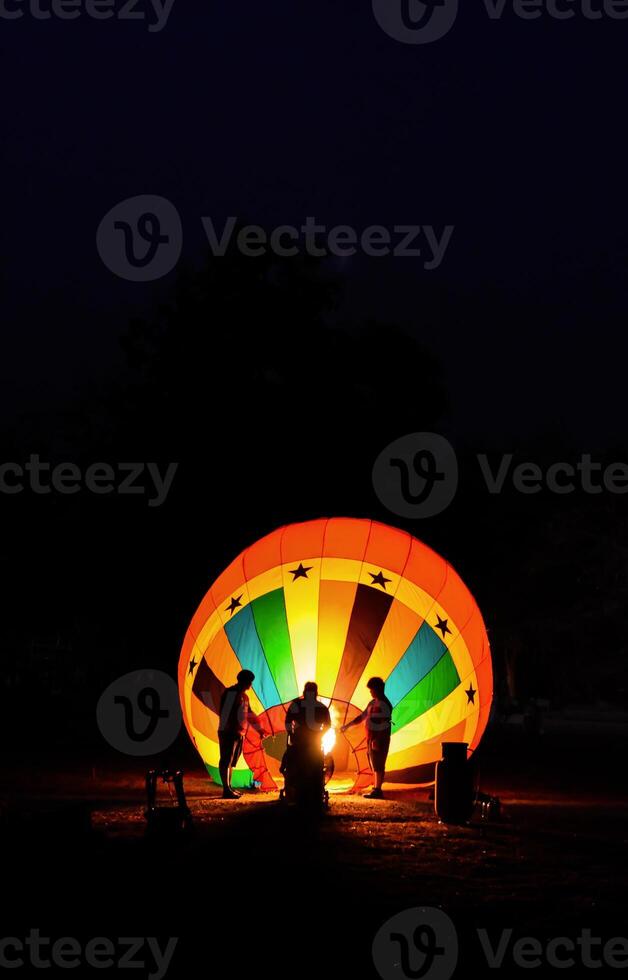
453	795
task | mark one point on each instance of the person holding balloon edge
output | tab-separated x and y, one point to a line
377	717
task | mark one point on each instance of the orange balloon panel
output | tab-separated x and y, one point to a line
337	601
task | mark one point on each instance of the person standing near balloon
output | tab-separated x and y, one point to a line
235	717
377	717
307	715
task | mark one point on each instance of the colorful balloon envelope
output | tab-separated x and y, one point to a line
338	601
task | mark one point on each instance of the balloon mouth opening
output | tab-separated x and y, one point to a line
348	750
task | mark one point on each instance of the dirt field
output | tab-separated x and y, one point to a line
255	885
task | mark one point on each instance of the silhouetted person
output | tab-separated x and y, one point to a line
307	718
377	716
235	717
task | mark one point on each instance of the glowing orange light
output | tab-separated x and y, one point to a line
329	740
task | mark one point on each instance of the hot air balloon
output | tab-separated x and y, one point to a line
338	601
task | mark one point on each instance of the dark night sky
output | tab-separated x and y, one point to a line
512	131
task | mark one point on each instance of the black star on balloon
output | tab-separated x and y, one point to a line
192	665
470	694
234	604
442	625
300	572
379	579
